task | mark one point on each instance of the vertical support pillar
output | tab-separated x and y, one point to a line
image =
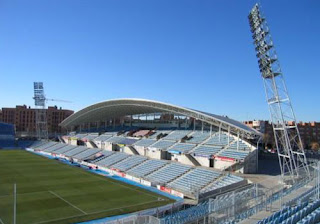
114	123
210	130
131	120
194	124
202	126
238	135
220	132
228	134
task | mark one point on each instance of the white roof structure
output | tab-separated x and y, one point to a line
122	107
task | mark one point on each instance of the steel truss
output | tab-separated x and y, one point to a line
41	113
287	138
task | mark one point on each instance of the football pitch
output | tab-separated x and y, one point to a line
49	191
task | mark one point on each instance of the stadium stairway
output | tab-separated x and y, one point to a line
133	150
278	204
92	144
193	160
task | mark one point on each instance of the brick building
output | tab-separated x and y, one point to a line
309	132
24	119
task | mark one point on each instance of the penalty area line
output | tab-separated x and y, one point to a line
55	194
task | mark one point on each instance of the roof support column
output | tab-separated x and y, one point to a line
238	135
202	126
210	130
194	124
228	134
131	120
186	122
80	127
220	132
114	123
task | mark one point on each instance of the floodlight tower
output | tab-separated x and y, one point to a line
287	138
41	113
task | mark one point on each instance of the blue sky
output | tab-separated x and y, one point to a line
197	54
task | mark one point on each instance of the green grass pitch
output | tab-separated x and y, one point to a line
49	191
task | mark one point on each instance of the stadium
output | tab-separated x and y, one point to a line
141	161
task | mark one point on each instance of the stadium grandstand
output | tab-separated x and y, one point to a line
7	135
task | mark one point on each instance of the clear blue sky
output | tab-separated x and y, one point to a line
197	54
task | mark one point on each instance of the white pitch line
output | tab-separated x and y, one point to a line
67	202
91	213
1	221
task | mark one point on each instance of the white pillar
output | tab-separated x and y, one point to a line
238	135
228	134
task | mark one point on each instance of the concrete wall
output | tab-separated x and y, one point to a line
154	154
98	144
127	150
203	161
74	142
181	158
222	164
141	150
108	146
89	145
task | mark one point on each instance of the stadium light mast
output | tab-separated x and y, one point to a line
287	138
41	113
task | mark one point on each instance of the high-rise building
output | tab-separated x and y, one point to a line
24	119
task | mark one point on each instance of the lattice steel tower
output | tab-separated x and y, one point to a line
41	113
287	138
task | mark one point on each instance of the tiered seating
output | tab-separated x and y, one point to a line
87	153
242	146
121	140
188	215
222	182
46	145
303	213
141	133
147	167
168	173
181	148
115	139
199	136
54	147
155	134
90	137
128	163
37	144
112	159
214	140
28	143
75	151
177	135
104	155
234	154
206	151
162	144
80	135
65	149
145	142
194	180
102	138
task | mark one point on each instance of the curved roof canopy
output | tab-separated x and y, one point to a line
121	107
